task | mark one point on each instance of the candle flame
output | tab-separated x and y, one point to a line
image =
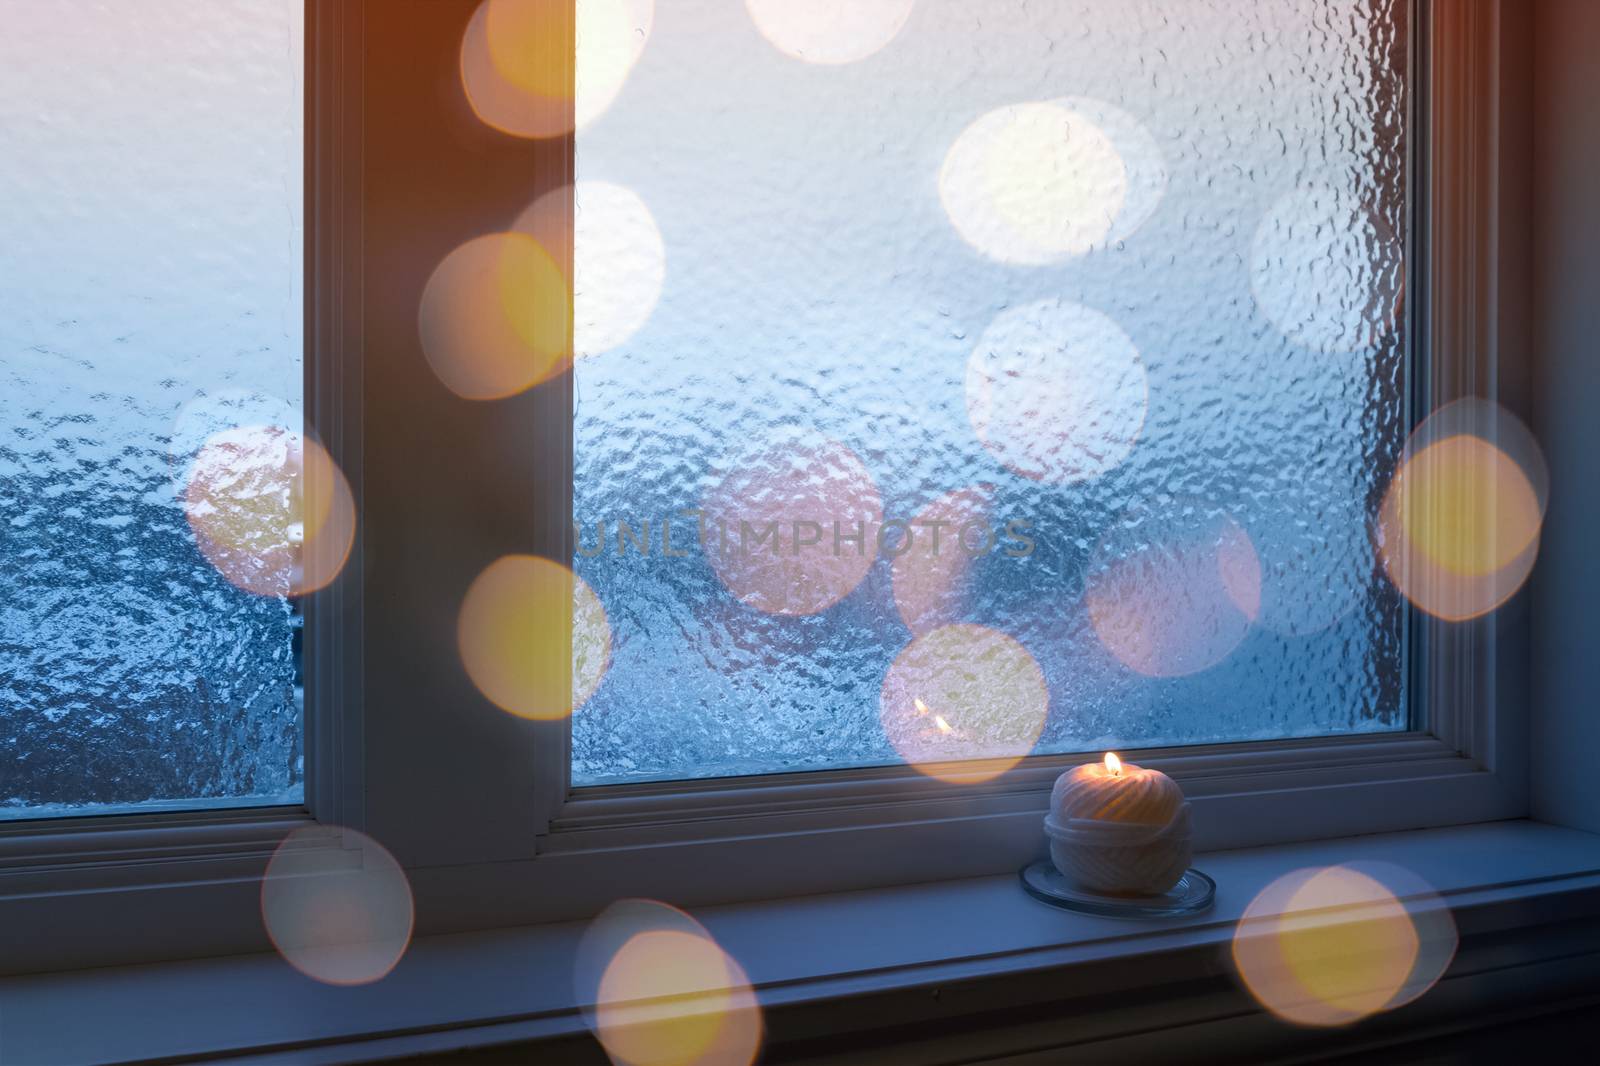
922	708
1113	764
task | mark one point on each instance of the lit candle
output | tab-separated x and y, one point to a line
1118	829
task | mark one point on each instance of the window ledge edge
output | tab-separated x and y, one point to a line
511	985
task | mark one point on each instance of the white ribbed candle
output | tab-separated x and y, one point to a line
1120	831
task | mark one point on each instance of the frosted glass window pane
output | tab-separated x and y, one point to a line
1120	276
150	172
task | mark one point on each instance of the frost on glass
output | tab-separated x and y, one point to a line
1126	272
150	169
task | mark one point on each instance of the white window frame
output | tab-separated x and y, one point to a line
477	804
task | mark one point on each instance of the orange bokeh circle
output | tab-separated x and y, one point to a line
533	637
1459	525
664	992
496	317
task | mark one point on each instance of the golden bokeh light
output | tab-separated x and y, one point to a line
1035	183
963	703
525	43
336	905
1458	529
1494	512
517	64
1173	594
533	637
1328	946
1325	269
619	259
664	993
504	99
829	32
1434	925
1056	391
270	510
930	576
793	530
495	317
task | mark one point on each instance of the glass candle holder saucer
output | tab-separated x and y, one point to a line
1193	894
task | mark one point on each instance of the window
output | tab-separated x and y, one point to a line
414	169
1006	378
152	343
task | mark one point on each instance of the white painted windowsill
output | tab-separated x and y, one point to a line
514	984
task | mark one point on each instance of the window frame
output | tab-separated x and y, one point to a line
401	746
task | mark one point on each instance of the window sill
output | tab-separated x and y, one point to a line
846	966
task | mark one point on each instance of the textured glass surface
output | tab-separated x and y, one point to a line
1127	271
150	162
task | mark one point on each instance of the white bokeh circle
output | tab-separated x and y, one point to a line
619	260
1038	182
1056	391
829	32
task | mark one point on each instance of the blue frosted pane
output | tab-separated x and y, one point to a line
150	161
1129	270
